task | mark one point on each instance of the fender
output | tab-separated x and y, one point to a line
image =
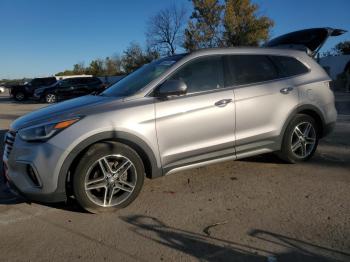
109	135
299	109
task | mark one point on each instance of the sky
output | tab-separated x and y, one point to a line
43	37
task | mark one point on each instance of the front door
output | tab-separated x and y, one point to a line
198	126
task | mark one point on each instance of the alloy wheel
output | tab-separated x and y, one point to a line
110	180
50	98
303	140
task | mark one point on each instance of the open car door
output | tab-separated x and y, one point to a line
308	40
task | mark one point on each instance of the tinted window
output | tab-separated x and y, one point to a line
289	66
68	82
94	81
43	81
85	80
49	81
203	74
36	82
248	69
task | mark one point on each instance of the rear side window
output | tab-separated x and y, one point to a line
95	81
248	69
289	66
85	80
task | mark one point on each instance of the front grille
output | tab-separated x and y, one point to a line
9	141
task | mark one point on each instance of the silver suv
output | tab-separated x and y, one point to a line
176	113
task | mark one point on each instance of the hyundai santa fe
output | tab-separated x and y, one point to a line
175	113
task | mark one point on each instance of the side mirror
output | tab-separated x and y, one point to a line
172	88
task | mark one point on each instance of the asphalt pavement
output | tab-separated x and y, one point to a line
257	209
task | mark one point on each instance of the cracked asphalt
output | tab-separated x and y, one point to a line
257	209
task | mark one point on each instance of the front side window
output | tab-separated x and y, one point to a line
202	74
48	81
248	69
36	82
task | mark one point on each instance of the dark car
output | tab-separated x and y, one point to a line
24	91
69	88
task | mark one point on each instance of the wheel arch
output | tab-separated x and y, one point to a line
150	162
310	110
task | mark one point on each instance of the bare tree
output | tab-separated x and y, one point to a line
165	29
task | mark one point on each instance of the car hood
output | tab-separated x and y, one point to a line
64	110
310	40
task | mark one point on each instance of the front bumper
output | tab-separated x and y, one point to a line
45	160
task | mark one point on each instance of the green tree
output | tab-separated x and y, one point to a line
233	23
242	25
65	73
204	28
79	69
342	48
96	68
134	57
112	66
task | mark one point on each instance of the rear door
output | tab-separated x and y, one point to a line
263	101
200	125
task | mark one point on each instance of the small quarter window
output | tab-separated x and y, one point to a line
289	66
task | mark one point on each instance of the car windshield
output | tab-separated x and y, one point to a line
137	80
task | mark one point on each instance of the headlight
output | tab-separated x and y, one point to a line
45	131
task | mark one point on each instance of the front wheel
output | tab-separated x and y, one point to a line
50	98
109	176
300	139
19	96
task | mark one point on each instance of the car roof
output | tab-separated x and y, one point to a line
247	50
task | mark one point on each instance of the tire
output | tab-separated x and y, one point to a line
93	189
299	146
50	98
19	96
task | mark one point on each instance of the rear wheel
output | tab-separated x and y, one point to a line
300	139
50	98
108	177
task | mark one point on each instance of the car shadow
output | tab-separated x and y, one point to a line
210	248
265	158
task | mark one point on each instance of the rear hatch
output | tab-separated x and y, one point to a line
308	40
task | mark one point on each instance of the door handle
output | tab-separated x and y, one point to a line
223	102
286	90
